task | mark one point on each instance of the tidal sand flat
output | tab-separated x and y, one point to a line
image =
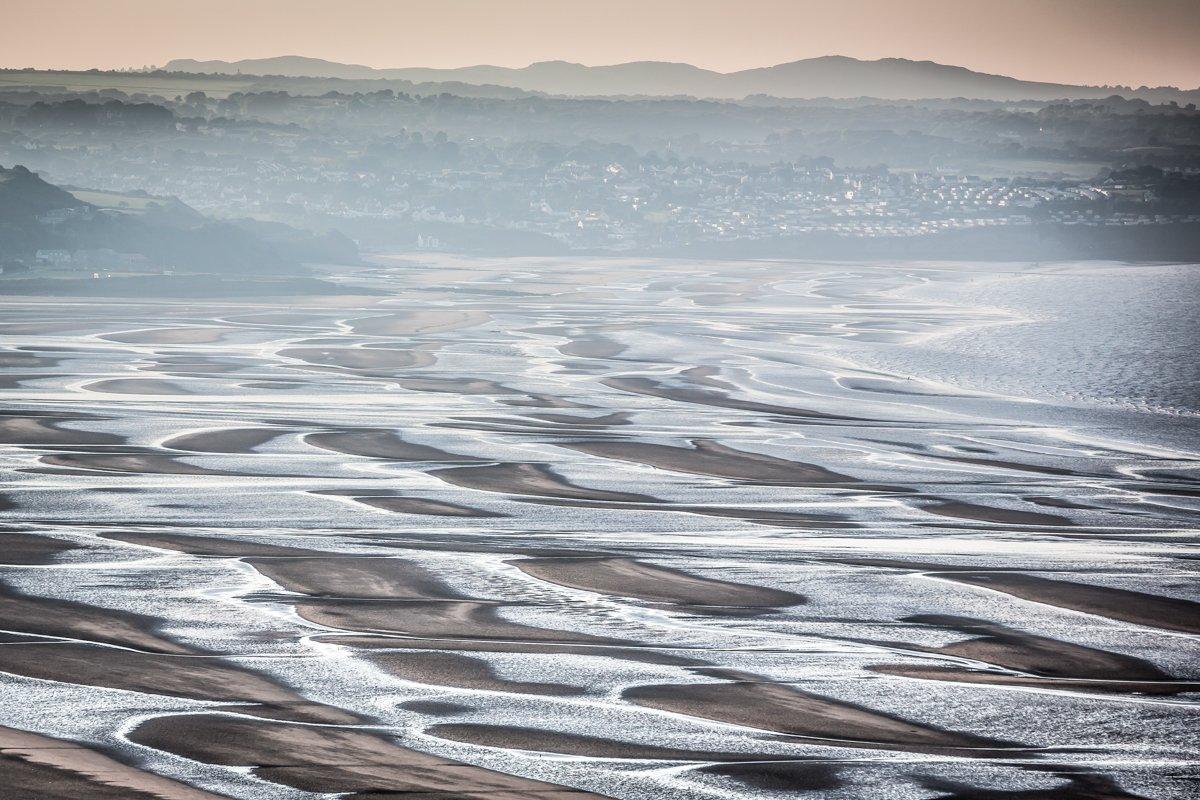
626	528
43	768
545	741
1003	516
228	440
139	386
168	336
420	321
411	505
1139	608
755	703
141	463
65	619
1027	660
630	578
433	621
27	548
712	458
358	358
691	392
537	480
51	429
329	760
381	444
198	676
464	672
349	576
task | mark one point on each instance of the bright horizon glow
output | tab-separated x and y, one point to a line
1116	42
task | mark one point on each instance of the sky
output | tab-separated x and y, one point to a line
1126	42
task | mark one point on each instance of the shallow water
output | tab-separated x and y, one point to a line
916	531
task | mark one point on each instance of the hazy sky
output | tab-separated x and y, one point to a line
1074	41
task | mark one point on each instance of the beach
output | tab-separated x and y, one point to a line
607	527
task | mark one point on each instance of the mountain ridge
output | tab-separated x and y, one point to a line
825	76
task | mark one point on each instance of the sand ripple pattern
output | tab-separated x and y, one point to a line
601	528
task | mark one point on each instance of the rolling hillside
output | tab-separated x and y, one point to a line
828	76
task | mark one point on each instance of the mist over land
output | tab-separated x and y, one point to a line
823	430
828	76
495	169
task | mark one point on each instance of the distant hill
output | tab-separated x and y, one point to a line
146	232
24	200
828	76
24	196
289	66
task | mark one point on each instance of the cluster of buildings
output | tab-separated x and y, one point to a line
93	258
586	199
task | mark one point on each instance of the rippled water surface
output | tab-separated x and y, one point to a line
614	528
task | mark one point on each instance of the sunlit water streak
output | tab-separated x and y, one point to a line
1030	420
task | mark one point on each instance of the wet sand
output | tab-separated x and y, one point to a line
1139	608
545	741
120	650
1074	685
193	365
565	424
14	359
19	380
284	318
414	505
335	760
467	386
592	347
195	676
434	620
50	430
697	395
169	336
1038	469
1154	611
1045	663
463	672
630	578
620	653
419	321
531	479
28	548
787	710
1082	786
570	420
758	770
1002	516
781	545
145	464
421	506
65	619
227	440
706	457
347	576
756	516
44	328
381	444
35	767
207	545
786	777
359	358
150	386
